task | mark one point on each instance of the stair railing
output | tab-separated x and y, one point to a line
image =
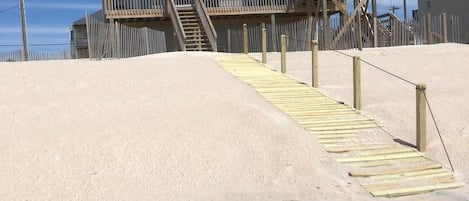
177	24
207	23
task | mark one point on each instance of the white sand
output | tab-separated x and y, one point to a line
176	126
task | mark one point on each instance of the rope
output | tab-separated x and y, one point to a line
389	73
7	9
364	61
438	130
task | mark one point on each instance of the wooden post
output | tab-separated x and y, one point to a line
24	33
325	24
228	33
284	54
358	23
245	39
375	23
445	28
405	10
147	41
264	45
309	14
357	103
429	29
88	34
175	43
421	117
118	40
274	32
315	59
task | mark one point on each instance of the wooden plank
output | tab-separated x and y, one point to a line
334	140
407	174
341	149
415	190
388	162
386	151
332	124
335	136
311	108
348	127
333	132
411	178
394	171
433	180
335	120
380	157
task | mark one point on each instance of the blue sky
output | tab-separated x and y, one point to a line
49	21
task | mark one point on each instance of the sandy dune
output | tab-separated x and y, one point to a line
176	126
165	127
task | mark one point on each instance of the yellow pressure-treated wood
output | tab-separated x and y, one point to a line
393	171
388	162
414	190
380	157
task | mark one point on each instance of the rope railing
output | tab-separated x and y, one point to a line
382	69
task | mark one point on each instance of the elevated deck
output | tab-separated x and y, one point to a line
131	9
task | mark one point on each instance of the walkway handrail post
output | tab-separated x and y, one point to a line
283	53
315	59
264	45
245	39
421	117
357	103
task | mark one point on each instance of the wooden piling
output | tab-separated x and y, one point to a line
445	28
315	59
245	39
421	117
357	83
429	29
284	54
264	45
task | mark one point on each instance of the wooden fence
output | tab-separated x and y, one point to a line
108	40
16	55
391	32
296	32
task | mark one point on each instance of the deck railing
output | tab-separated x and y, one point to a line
133	8
156	8
217	7
207	24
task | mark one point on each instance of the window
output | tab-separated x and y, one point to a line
429	3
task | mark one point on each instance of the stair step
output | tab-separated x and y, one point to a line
186	13
192	28
193	32
190	24
196	40
189	20
195	44
197	49
195	36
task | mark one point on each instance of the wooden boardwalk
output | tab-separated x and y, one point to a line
384	168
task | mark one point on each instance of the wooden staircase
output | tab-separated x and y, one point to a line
196	37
